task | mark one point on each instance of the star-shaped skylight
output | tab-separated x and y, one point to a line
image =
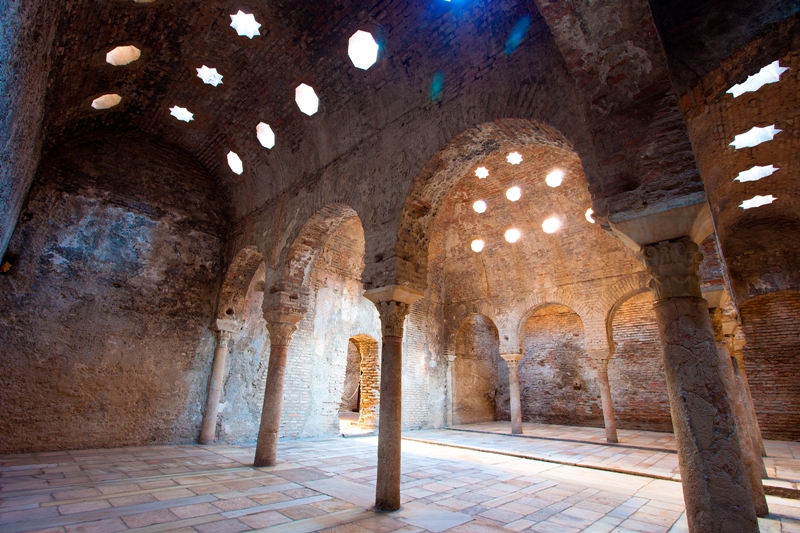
482	172
181	113
757	201
265	135
245	24
515	158
209	75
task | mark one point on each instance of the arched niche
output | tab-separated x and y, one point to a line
476	374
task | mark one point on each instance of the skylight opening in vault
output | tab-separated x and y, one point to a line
123	55
265	135
756	173
514	194
588	215
757	201
363	50
306	99
181	113
555	178
245	24
515	158
482	172
551	225
106	101
769	74
754	137
512	235
235	163
210	76
477	245
479	206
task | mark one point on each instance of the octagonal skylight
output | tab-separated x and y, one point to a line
122	55
235	162
769	74
181	113
514	194
757	201
551	225
512	235
363	50
555	178
482	172
754	137
306	99
210	76
477	245
106	101
515	158
479	206
245	24
265	135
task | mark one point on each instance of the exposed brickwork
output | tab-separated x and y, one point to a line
636	371
475	376
772	330
558	382
352	379
370	368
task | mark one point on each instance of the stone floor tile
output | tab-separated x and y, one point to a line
81	507
302	511
380	524
231	525
234	504
110	525
124	501
173	494
192	511
149	518
265	519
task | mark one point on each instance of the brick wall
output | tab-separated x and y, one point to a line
475	371
558	382
636	370
772	362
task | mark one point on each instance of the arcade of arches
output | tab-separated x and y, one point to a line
530	212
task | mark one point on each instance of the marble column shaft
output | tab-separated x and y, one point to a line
280	334
609	419
515	399
215	383
451	392
716	487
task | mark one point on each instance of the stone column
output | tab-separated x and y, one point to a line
451	392
393	305
601	358
280	334
735	346
515	401
716	488
209	427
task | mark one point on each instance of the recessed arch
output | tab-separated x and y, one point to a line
431	186
236	281
475	379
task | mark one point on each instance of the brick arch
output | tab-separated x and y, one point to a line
513	323
292	278
461	315
236	281
616	295
453	161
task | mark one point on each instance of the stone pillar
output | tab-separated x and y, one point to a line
393	305
716	488
451	392
601	358
209	427
512	360
281	330
735	346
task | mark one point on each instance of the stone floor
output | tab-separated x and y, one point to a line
328	485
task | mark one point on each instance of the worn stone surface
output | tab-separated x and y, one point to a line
476	364
106	312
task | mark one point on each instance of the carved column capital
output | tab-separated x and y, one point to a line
223	336
451	359
393	315
673	267
512	359
280	333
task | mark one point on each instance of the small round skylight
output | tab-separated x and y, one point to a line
265	135
551	225
479	206
306	99
181	113
210	76
106	101
512	235
477	245
588	215
122	55
514	194
515	158
363	50
245	24
555	178
482	172
235	163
